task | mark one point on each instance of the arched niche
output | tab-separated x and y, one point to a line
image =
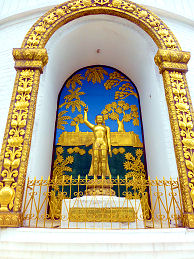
95	34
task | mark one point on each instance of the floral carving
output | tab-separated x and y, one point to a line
15	141
185	124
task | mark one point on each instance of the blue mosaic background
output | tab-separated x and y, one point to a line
96	98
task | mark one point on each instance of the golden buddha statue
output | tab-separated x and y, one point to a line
100	150
101	146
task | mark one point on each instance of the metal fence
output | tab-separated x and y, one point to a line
130	203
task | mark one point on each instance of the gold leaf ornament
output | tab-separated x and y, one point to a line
189	143
61	165
15	164
163	32
182	106
7	163
175	91
143	14
189	165
59	150
15	141
128	6
73	100
183	92
154	22
21	105
62	120
87	2
182	125
122	150
50	19
60	12
40	29
116	3
190	125
27	73
25	90
134	163
176	75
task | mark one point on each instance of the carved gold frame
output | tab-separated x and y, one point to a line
29	62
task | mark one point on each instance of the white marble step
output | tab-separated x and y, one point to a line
57	243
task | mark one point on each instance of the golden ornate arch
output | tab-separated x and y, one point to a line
30	60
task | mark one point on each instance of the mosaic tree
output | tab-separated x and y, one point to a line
124	91
118	112
62	120
95	74
73	100
76	121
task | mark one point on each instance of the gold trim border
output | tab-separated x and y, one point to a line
32	57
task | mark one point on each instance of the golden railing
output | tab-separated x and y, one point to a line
137	203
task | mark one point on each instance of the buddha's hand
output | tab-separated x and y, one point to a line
86	109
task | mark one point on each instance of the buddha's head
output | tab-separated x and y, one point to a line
99	119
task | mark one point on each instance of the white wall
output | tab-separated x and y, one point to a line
123	45
182	8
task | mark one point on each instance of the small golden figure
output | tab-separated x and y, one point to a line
101	146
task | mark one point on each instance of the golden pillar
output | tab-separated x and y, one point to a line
29	64
173	67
